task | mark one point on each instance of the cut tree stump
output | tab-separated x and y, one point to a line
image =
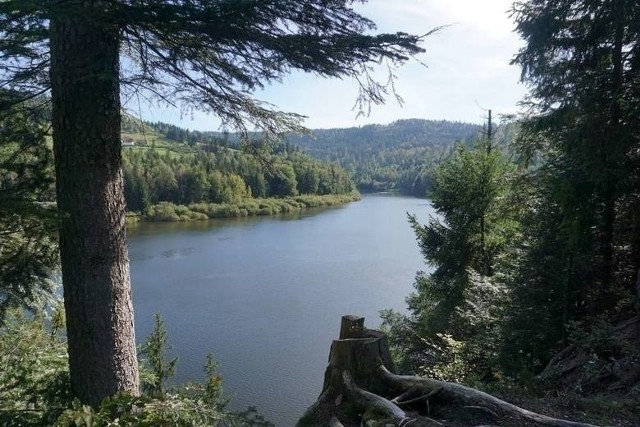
360	389
358	351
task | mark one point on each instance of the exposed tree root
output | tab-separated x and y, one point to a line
468	397
359	391
373	405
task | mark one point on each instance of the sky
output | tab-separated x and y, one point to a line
467	71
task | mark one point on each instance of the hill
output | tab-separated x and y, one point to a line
397	156
385	157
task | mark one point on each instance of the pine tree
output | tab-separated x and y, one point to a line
455	309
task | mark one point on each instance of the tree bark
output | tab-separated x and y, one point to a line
358	351
89	184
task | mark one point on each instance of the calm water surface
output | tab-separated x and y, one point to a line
265	295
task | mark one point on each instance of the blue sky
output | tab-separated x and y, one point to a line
467	71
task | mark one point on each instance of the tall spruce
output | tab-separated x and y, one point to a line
203	54
455	308
582	63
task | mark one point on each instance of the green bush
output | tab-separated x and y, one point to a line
164	211
34	379
35	388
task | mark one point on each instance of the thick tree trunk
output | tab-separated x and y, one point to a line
93	250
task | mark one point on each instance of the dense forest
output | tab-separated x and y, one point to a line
536	255
169	168
398	156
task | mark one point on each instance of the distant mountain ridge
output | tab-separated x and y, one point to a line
385	157
403	133
395	156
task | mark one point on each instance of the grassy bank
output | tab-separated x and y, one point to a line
169	212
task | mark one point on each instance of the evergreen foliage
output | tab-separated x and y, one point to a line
215	55
206	55
580	257
28	252
153	351
35	388
34	378
560	252
399	156
455	309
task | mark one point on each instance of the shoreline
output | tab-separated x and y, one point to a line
169	212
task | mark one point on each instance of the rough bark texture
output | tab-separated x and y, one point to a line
357	351
467	399
360	391
93	250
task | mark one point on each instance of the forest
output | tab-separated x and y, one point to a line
211	178
398	156
534	292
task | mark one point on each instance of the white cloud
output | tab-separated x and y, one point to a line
468	67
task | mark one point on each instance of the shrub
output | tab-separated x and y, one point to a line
35	388
163	211
34	378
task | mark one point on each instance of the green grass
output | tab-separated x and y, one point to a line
151	139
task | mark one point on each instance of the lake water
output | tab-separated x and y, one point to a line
265	295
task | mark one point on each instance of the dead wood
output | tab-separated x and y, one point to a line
359	390
469	397
373	405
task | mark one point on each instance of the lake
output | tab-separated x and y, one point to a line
265	295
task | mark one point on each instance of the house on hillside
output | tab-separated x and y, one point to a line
127	142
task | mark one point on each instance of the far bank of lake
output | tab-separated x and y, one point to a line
264	295
169	212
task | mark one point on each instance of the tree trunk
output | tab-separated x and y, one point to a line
89	185
613	146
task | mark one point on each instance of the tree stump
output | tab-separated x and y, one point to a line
351	327
359	351
360	390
